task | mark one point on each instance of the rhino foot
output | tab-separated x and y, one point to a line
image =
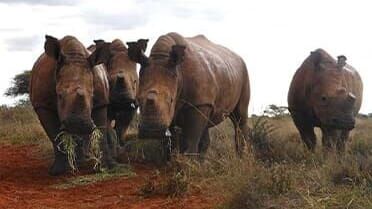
110	164
57	168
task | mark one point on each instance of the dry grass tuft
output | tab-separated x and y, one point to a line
19	125
175	182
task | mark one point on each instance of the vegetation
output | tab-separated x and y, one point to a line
276	111
19	85
76	181
276	170
19	125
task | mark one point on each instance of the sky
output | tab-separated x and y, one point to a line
273	37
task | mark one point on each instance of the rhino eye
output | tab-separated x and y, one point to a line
324	98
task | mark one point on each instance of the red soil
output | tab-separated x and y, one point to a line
25	183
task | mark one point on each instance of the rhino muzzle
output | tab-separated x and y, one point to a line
146	130
78	125
341	123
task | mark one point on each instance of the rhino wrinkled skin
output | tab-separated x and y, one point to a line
191	83
325	93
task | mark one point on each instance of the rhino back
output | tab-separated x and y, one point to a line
217	76
42	83
211	74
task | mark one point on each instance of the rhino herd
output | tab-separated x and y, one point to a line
189	83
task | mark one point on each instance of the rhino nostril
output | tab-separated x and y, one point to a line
120	82
150	101
120	78
335	120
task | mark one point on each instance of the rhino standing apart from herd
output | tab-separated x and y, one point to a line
190	83
325	93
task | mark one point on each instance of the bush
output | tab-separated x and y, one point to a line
276	111
19	85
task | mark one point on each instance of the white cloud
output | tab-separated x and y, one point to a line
26	43
41	2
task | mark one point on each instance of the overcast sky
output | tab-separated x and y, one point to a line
273	37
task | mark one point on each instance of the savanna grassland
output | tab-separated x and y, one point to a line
276	172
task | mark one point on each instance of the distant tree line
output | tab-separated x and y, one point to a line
275	111
361	115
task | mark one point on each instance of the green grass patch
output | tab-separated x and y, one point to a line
120	171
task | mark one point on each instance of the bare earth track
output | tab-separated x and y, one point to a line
24	183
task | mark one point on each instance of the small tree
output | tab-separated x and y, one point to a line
276	111
19	85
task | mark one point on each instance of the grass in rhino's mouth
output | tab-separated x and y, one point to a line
67	144
76	181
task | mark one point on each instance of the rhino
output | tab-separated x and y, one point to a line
193	84
325	93
69	92
123	82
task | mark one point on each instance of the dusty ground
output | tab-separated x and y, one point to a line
24	183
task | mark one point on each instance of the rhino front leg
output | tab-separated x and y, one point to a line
327	140
122	122
51	124
112	141
100	119
196	121
333	138
342	140
306	130
204	142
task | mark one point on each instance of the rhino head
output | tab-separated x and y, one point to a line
333	102
74	83
158	87
122	75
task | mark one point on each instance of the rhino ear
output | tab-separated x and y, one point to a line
316	58
99	42
341	61
177	54
136	51
52	47
101	54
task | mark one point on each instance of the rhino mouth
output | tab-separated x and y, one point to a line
123	103
79	126
152	131
339	123
118	96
